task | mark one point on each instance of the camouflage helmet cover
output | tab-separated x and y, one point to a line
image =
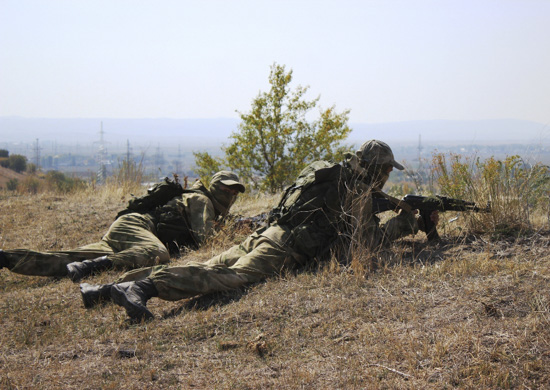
377	152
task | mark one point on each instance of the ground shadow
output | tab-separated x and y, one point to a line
204	302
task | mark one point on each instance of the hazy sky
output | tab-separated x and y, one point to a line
384	60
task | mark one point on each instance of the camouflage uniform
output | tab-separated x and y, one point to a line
132	240
285	245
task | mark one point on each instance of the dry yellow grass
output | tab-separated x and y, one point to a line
469	312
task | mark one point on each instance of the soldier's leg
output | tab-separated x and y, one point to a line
132	239
29	262
94	294
260	259
139	274
225	259
233	254
174	283
135	245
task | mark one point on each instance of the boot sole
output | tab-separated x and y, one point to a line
89	298
134	311
74	273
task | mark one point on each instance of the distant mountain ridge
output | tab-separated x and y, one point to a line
139	131
497	131
194	131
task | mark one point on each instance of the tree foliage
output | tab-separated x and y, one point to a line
277	138
17	163
207	166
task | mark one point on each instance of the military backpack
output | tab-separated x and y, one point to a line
158	195
312	207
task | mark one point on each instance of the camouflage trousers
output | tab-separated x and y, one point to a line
261	255
129	243
265	253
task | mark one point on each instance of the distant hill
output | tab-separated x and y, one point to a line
200	132
495	132
138	131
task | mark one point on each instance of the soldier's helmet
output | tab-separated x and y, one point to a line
376	152
224	199
228	178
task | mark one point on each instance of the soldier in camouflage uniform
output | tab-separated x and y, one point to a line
339	206
138	239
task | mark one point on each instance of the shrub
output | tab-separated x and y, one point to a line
59	182
515	189
30	184
31	168
279	136
17	162
11	185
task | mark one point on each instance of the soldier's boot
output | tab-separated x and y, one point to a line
133	296
3	259
80	269
94	295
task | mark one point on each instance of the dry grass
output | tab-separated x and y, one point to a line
470	312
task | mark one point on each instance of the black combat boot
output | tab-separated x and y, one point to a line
81	269
3	259
133	296
94	295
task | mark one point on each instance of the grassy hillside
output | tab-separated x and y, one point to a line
470	312
7	175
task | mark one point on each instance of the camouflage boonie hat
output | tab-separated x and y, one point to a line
228	178
377	152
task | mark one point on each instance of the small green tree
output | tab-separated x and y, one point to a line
276	139
17	163
4	158
208	166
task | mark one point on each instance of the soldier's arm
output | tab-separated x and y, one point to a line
401	225
201	216
374	234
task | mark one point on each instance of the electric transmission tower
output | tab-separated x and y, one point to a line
102	157
36	151
420	152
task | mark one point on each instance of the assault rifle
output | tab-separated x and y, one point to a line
426	205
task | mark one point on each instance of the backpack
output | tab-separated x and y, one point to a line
173	227
158	195
312	207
